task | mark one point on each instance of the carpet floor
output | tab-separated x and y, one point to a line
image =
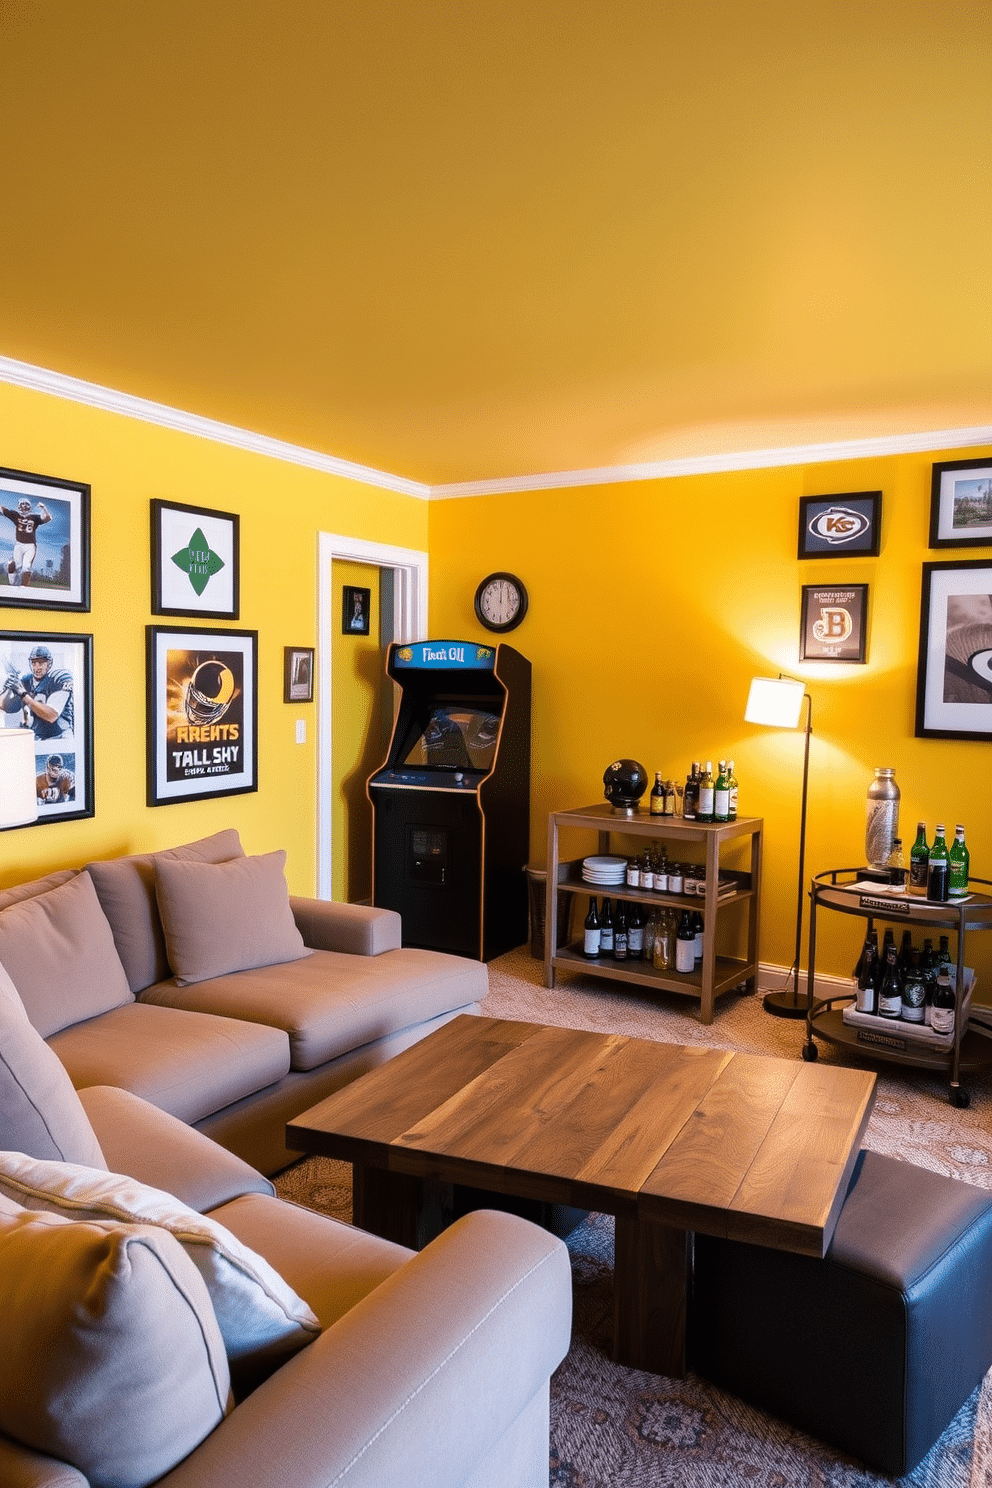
621	1428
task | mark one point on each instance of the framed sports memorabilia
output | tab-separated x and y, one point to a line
298	674
839	526
44	542
202	713
833	622
954	676
961	504
195	561
46	686
356	610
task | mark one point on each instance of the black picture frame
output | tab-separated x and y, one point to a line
63	745
954	674
841	526
202	713
196	561
356	610
298	674
834	622
58	569
961	504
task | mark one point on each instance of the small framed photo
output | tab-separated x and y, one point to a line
46	685
961	504
356	610
834	622
195	561
44	542
954	676
298	674
202	714
837	526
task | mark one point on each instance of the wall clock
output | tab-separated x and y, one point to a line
500	602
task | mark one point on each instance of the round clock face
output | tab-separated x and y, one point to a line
501	601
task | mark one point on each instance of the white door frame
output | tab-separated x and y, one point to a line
409	567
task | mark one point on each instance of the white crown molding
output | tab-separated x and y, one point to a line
58	385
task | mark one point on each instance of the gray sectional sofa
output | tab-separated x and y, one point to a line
191	978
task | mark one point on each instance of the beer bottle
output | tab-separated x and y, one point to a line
691	794
704	802
591	936
620	932
959	862
606	929
890	988
685	944
918	857
731	792
721	795
656	804
944	1004
938	868
914	992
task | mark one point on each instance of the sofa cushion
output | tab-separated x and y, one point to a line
259	1315
40	1112
60	953
332	1003
112	1359
126	890
187	1064
223	917
36	886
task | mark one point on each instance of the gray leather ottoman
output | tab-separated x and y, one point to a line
875	1348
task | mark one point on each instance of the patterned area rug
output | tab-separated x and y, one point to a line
621	1428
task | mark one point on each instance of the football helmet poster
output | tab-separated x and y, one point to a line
202	725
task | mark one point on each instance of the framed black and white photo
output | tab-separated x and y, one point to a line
202	713
839	526
44	542
298	674
961	504
356	610
195	561
834	622
46	686
954	676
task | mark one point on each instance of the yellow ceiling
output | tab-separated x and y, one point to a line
468	239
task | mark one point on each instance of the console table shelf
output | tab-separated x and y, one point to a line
717	973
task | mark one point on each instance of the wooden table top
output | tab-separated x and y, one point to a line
741	1145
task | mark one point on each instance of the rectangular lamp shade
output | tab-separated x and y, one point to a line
776	702
18	795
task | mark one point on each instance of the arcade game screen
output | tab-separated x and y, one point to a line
456	738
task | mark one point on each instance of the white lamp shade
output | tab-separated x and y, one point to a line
18	794
776	702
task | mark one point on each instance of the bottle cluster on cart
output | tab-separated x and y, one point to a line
914	983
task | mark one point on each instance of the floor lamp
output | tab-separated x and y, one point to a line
778	703
18	792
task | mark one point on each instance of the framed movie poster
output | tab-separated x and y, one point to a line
46	685
44	542
202	713
837	526
833	623
356	610
954	676
961	504
195	561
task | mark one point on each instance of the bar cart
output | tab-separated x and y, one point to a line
841	890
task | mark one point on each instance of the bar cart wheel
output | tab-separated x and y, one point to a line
960	1097
810	1051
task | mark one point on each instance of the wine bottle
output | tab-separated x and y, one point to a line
635	934
918	857
869	950
691	794
620	932
697	930
914	992
929	968
707	790
959	862
721	795
890	988
944	1004
656	804
944	959
591	936
685	944
867	998
732	789
905	952
938	868
606	929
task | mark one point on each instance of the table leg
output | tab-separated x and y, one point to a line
651	1279
409	1211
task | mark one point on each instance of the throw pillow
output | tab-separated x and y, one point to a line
223	917
260	1317
112	1359
126	890
60	953
40	1112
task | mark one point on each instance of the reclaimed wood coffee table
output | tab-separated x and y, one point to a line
667	1138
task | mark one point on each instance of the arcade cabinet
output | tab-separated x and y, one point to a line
451	803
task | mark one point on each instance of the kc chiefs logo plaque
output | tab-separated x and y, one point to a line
838	526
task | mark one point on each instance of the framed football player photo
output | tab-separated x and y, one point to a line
44	542
202	713
46	687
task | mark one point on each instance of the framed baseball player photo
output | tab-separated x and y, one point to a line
46	686
202	713
44	542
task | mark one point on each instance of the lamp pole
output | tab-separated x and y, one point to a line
781	1003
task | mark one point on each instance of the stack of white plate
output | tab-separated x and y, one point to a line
607	872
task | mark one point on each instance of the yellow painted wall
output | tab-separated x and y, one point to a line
652	604
282	508
358	671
